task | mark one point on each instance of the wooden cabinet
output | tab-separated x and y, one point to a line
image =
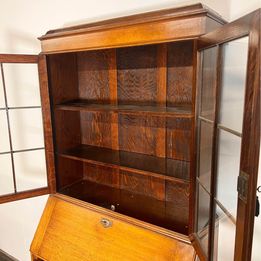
133	110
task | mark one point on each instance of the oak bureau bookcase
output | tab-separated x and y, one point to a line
136	112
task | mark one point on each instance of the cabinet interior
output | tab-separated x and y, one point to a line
123	128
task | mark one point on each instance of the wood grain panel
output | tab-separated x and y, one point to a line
24	195
18	58
161	74
137	75
67	130
68	231
96	129
63	78
132	204
112	60
141	134
180	73
164	31
179	138
158	15
93	76
141	164
47	122
177	198
178	168
146	185
102	174
68	172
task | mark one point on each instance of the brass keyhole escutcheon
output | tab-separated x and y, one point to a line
106	223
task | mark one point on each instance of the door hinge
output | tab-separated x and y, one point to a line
242	186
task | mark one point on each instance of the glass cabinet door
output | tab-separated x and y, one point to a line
23	155
228	112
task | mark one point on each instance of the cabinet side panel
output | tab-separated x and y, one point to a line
63	79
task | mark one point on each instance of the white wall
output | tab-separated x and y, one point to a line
21	22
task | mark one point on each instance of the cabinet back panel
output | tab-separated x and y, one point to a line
97	129
142	184
93	76
137	183
142	134
179	131
101	174
179	73
137	75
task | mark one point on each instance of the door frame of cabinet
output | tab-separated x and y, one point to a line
40	60
248	25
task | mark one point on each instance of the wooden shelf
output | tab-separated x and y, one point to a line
168	169
80	105
148	209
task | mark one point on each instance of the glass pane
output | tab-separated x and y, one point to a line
2	99
205	153
208	80
203	217
233	83
22	84
229	148
4	137
26	128
6	175
30	170
224	237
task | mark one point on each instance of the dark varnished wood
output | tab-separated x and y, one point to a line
112	125
246	26
250	141
93	76
72	171
180	73
179	133
166	25
137	75
132	204
47	123
101	173
132	127
130	161
24	195
97	130
143	184
236	29
63	77
138	18
18	58
81	105
67	129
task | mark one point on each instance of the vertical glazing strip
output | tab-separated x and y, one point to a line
214	154
9	127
